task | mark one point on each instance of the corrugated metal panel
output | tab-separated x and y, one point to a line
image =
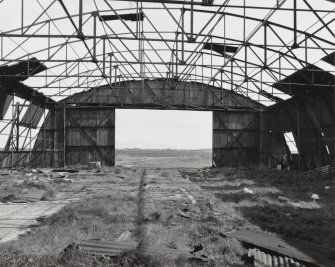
236	138
289	247
32	117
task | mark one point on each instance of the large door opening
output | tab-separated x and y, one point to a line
163	138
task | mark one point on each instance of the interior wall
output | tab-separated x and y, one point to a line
237	138
75	135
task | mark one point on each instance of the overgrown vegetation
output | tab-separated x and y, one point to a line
281	201
226	199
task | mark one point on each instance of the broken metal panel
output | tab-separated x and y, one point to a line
12	86
307	80
310	118
5	101
20	71
132	17
221	48
32	117
330	59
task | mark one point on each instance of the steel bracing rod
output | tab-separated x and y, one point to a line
319	18
196	54
130	32
82	38
285	56
274	23
121	41
198	10
159	34
114	48
198	3
111	45
60	32
22	43
248	38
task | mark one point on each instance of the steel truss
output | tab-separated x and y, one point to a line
90	44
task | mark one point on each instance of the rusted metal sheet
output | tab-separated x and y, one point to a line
300	251
330	59
309	79
5	100
117	248
32	117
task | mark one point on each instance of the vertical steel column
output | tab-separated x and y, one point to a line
80	16
110	67
306	54
192	18
44	138
319	133
265	45
30	122
295	44
104	57
64	136
298	139
17	119
94	37
231	76
22	16
183	36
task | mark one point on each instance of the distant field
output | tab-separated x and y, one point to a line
165	158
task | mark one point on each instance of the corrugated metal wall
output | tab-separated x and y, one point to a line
236	138
311	120
75	135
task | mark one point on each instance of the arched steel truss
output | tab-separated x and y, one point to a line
92	43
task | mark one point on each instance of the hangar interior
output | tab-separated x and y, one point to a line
264	68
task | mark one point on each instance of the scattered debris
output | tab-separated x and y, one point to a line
283	199
117	248
184	215
36	171
283	247
190	197
315	197
71	246
247	190
124	236
66	170
94	165
154	216
197	248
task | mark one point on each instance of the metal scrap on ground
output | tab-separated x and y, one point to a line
117	248
300	251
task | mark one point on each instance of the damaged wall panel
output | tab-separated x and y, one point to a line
32	117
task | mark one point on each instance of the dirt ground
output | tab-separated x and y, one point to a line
179	208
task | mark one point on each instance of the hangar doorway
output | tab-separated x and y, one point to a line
163	138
